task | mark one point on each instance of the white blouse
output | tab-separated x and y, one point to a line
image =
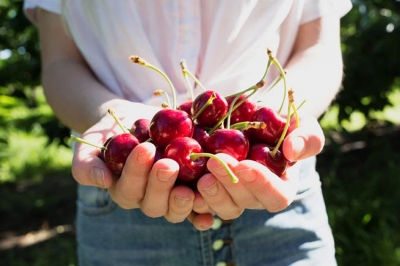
223	42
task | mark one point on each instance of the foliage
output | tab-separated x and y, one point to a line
370	50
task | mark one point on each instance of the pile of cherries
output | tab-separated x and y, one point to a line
204	126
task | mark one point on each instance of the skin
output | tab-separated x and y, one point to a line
316	55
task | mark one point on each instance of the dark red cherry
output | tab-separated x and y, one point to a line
261	153
213	112
243	112
117	151
275	125
140	129
169	124
201	135
229	141
180	150
186	106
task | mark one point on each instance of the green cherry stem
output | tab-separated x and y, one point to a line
112	113
185	76
286	128
186	71
283	74
249	124
138	60
161	92
75	138
232	176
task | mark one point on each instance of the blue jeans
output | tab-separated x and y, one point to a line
299	235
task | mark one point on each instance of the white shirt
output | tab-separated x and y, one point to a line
223	42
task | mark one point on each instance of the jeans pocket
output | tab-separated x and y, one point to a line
94	201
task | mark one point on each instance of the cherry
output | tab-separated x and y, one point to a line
244	112
180	149
186	106
209	115
118	150
168	124
275	125
140	129
201	135
229	141
262	154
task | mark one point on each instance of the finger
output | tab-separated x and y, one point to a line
87	168
180	204
217	197
202	221
200	205
161	181
129	189
273	192
305	141
237	191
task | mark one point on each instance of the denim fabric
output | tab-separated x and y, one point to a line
299	235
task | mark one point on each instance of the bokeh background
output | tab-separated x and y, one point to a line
359	167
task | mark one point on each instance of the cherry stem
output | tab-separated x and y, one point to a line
160	92
112	113
186	71
208	103
288	118
185	75
283	74
74	138
235	105
232	176
138	60
249	124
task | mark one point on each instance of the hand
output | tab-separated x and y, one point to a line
258	187
143	184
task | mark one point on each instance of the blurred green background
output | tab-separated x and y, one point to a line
359	166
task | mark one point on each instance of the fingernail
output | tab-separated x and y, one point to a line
212	190
181	201
165	175
246	174
220	171
97	176
298	146
142	157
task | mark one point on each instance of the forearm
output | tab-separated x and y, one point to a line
76	97
315	68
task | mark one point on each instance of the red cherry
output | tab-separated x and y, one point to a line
244	112
180	150
201	135
211	114
229	141
275	125
261	153
169	124
140	129
186	106
117	151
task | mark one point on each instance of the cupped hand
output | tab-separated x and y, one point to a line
143	183
258	187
